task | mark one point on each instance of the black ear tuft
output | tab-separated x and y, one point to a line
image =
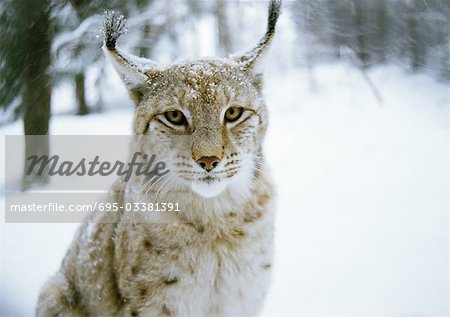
114	26
274	14
249	58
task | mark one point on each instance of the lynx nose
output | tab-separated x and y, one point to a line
208	162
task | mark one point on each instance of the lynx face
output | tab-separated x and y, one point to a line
206	120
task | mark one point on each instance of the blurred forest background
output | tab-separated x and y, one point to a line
47	44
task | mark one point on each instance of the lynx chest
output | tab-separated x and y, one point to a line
188	270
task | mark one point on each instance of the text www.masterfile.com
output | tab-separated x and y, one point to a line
60	207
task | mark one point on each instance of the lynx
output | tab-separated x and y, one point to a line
207	120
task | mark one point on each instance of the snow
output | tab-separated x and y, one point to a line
363	189
362	227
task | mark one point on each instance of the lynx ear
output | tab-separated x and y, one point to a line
249	59
132	69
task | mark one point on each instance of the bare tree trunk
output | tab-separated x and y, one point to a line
144	49
382	29
415	54
361	50
37	90
82	108
223	31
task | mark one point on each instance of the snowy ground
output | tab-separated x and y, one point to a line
363	191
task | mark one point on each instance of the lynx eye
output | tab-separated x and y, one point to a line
233	114
175	117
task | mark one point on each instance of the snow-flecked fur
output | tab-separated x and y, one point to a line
114	26
213	258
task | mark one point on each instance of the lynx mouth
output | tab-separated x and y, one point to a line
209	179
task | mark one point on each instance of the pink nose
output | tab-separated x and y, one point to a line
208	162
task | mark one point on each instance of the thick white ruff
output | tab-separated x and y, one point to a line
209	190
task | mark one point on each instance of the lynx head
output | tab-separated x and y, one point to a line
206	119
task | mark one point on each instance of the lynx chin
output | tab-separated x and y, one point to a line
207	120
